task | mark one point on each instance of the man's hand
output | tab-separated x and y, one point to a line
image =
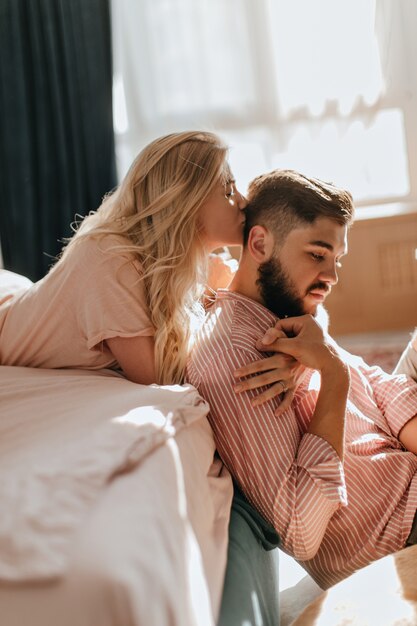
303	339
307	347
311	347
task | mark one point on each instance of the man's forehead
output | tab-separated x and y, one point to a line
323	232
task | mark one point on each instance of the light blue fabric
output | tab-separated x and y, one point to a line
251	589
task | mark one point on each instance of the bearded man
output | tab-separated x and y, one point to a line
334	472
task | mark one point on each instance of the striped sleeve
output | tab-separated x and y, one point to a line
295	480
395	395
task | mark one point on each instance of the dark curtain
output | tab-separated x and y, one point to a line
56	145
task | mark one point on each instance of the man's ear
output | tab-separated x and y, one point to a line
260	244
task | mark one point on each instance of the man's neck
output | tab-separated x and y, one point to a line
244	281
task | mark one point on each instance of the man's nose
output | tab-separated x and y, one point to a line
329	274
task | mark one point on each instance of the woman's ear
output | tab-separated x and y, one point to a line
260	244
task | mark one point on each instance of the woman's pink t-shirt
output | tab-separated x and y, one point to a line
92	294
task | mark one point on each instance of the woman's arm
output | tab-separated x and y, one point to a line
136	357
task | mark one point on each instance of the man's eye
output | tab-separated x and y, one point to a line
317	257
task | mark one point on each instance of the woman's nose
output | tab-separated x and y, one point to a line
241	201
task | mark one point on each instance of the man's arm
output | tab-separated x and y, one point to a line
408	360
396	398
310	348
295	479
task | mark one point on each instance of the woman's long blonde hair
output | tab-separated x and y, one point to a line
156	207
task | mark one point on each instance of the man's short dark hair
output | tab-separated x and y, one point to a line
284	199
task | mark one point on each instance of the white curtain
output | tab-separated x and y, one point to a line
327	87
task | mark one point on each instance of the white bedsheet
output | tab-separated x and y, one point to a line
113	509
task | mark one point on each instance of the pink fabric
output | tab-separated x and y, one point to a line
93	293
335	518
111	498
11	283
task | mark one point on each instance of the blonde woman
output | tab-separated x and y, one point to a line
126	292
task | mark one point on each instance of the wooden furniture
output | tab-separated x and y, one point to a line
377	289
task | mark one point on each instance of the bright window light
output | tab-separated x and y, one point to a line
367	157
330	56
324	87
120	121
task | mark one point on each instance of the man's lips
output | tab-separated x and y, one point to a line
319	294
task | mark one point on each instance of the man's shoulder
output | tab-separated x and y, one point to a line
233	323
231	326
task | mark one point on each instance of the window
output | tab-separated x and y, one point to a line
325	87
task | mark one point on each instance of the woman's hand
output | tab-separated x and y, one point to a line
280	371
221	267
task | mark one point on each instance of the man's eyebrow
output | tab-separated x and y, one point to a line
325	244
321	244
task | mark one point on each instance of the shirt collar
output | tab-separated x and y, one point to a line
264	314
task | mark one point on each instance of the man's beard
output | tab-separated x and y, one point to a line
278	291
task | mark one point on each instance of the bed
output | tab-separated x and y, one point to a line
114	508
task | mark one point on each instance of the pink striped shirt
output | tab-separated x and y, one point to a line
333	518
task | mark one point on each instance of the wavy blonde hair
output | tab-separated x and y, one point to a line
156	208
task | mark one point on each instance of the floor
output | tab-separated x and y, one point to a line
383	349
289	571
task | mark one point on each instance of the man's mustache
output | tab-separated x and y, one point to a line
320	287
